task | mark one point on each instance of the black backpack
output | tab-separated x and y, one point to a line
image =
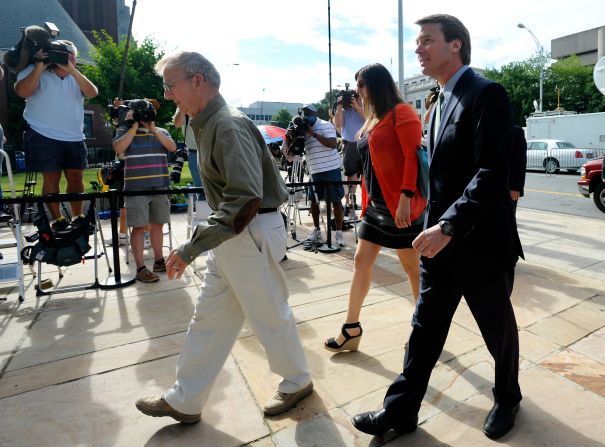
59	249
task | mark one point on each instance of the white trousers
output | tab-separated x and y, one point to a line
243	280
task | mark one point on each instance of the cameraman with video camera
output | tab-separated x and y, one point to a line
54	113
146	167
348	119
323	162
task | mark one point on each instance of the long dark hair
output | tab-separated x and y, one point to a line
382	94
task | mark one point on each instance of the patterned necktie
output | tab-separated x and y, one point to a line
439	105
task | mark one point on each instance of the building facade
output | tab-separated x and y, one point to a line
262	112
588	45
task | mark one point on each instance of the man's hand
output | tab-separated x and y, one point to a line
39	58
431	241
515	195
175	266
149	125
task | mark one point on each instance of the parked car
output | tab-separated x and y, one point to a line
551	155
591	181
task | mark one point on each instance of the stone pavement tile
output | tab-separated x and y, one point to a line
572	324
592	346
578	368
102	324
97	362
534	348
99	410
553	412
331	429
264	442
13	332
535	298
251	361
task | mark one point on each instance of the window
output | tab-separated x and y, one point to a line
418	104
88	125
565	145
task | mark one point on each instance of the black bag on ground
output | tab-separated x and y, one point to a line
59	249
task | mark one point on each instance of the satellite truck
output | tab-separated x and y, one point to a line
586	130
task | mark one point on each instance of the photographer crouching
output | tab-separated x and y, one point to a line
146	167
323	162
54	95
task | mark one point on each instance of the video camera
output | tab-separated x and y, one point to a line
143	111
295	134
345	97
33	39
181	157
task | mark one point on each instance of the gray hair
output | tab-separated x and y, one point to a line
191	63
71	47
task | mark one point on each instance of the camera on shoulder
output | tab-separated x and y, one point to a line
295	134
33	39
143	112
346	97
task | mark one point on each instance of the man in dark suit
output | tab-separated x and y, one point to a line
470	243
518	165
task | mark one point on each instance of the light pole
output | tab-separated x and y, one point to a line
541	51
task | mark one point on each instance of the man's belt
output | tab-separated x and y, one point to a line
267	210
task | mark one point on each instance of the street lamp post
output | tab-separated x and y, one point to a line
541	51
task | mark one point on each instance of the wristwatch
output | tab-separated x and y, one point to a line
446	227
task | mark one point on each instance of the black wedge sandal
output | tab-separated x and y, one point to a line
351	342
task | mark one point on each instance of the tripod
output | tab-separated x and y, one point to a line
296	194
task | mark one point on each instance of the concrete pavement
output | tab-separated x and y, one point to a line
73	364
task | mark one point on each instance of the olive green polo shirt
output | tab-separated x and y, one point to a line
238	172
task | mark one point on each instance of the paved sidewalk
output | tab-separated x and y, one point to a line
73	364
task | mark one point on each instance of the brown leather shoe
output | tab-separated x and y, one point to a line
155	407
282	402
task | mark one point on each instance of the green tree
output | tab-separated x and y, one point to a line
576	85
324	105
282	118
522	82
140	80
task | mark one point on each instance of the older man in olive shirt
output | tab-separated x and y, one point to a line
246	239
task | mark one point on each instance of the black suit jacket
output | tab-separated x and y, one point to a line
469	176
518	163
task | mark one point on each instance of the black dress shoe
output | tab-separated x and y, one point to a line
377	423
500	420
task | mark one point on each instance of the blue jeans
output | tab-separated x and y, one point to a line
195	172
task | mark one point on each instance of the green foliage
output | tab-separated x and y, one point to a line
522	82
576	84
282	118
324	105
140	79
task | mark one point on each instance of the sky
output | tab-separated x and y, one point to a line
277	50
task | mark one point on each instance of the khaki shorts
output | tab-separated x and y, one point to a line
141	210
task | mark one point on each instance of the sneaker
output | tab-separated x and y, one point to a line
146	240
159	407
340	239
159	265
61	225
146	276
78	221
315	235
121	238
5	217
282	402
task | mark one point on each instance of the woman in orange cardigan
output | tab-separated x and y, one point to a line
392	209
